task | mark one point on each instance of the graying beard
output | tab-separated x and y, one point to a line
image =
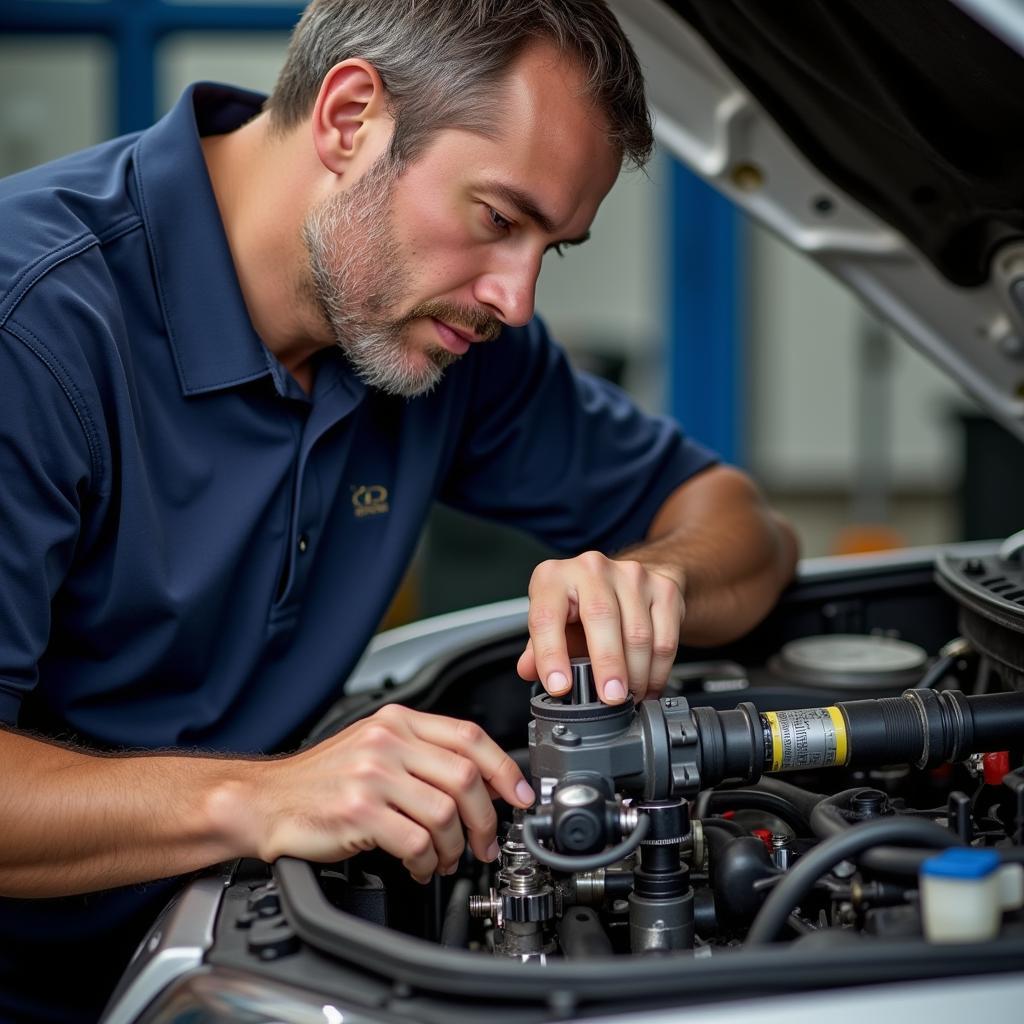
359	221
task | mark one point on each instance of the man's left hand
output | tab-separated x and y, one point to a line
623	614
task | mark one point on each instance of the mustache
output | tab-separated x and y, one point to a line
481	324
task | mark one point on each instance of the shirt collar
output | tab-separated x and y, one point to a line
214	343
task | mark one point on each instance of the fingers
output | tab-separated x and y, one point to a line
527	664
494	766
436	812
630	615
412	844
457	780
552	606
455	766
637	631
566	592
666	619
401	780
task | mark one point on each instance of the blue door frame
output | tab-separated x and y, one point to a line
705	321
136	27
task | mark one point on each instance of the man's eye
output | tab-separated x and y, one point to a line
501	223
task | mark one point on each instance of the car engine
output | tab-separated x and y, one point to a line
669	826
836	800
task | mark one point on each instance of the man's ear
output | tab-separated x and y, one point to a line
350	115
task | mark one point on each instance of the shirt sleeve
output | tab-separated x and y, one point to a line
45	467
560	453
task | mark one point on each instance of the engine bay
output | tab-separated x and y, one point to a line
835	800
680	824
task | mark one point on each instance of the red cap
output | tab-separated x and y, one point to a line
764	835
996	764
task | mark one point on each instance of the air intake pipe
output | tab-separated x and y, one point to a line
664	748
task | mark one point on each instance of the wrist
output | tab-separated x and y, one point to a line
233	818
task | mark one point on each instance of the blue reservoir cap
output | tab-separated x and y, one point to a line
961	862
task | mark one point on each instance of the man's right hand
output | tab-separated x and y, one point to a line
401	780
72	821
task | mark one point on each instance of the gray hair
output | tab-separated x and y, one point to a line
442	61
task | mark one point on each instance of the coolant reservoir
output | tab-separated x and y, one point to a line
961	896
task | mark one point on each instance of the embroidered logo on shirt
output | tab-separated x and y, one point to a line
369	500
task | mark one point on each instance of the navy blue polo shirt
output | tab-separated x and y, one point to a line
194	551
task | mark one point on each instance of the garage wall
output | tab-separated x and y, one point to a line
54	97
806	338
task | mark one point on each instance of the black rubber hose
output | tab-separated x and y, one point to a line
724	825
755	799
700	805
937	672
455	929
717	839
589	862
802	799
850	844
827	820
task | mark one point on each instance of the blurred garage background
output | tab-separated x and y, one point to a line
694	311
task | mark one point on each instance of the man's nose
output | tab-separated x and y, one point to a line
510	291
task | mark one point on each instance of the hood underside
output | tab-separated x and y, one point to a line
912	108
878	137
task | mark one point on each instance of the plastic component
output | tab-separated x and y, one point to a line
995	765
961	896
1011	886
570	864
962	863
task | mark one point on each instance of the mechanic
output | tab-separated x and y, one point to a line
240	355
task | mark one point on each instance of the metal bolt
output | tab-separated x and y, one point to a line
747	177
485	906
781	854
844	869
629	818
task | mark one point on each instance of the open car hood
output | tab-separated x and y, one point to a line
881	139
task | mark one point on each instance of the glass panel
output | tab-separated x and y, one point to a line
55	97
605	300
248	59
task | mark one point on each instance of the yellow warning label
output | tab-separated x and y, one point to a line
842	747
807	738
773	724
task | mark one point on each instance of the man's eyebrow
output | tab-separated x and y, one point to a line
528	207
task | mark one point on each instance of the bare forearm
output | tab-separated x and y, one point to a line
401	780
75	822
731	553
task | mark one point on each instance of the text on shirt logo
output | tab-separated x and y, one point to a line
369	500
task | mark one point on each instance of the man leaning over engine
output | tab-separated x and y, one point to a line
240	355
